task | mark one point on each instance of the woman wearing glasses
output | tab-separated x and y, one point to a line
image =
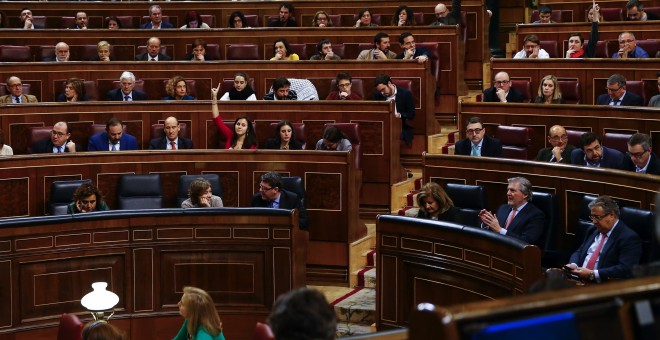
322	19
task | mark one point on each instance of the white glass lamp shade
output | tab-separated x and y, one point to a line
99	299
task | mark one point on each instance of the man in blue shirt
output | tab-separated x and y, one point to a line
628	47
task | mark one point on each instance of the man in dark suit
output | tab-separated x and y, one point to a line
59	141
113	139
617	95
502	92
404	103
477	143
592	153
407	41
444	17
126	91
560	150
286	18
153	52
27	22
611	248
156	19
61	53
272	195
518	218
640	158
81	21
172	140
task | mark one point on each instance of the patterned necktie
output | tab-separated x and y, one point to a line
152	59
127	98
17	100
173	145
114	147
59	149
592	260
475	150
615	102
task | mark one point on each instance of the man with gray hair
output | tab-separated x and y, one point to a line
61	53
156	19
610	249
628	47
126	91
640	156
617	95
635	12
517	218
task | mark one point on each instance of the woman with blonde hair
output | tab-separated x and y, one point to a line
549	92
177	89
103	52
434	204
201	318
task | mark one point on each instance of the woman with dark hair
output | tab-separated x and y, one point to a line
282	50
177	89
549	91
333	140
74	91
243	136
241	89
285	138
434	204
403	16
5	150
201	318
237	20
86	198
365	18
198	48
194	20
201	196
322	19
101	330
112	22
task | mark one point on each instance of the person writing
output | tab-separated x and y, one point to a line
86	198
201	318
201	196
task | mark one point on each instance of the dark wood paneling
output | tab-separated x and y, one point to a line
579	8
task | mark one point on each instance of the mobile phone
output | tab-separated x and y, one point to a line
566	268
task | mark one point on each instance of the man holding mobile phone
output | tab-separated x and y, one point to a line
58	142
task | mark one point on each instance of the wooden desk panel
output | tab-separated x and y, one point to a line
445	264
568	182
242	257
379	129
579	8
591	73
330	178
46	78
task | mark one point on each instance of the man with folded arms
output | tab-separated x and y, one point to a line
16	96
518	218
611	248
560	150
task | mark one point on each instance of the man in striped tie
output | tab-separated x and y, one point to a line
518	217
611	248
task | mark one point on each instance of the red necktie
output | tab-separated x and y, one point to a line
508	221
594	256
173	145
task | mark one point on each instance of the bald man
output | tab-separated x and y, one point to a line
153	52
172	140
61	53
445	17
560	150
15	90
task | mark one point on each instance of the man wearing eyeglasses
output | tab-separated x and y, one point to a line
531	49
344	85
126	91
477	143
58	142
272	195
593	153
444	17
628	47
16	96
611	248
617	95
641	158
560	150
502	92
